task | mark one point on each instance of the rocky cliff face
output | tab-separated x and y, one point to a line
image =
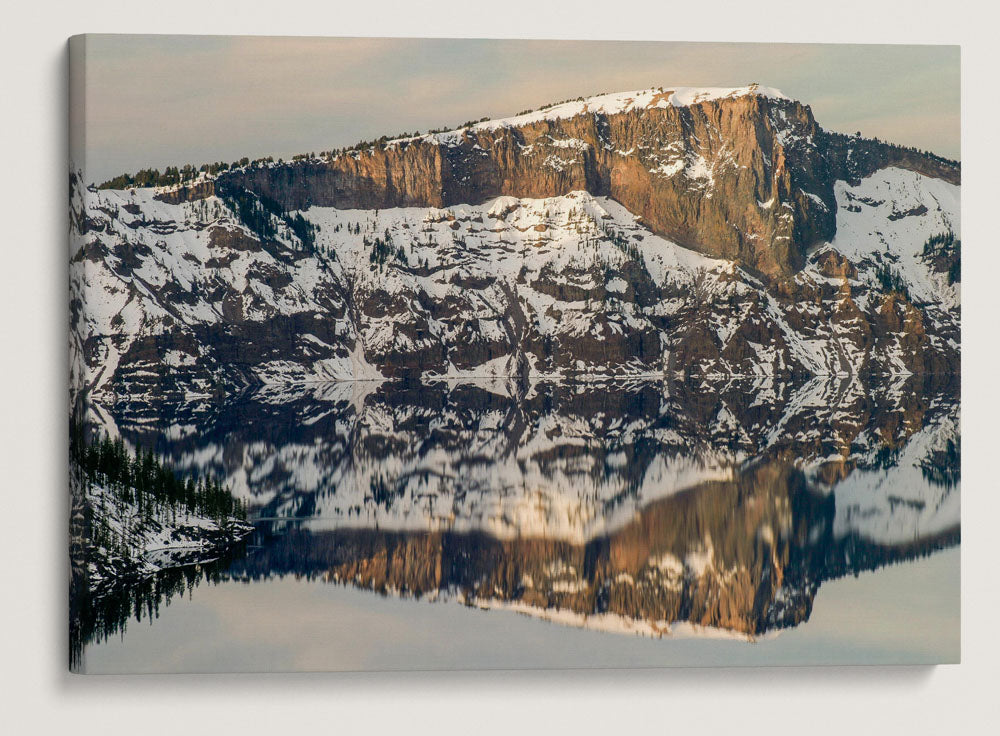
697	168
694	174
684	560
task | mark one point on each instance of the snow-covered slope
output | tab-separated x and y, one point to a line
913	495
119	543
888	218
182	299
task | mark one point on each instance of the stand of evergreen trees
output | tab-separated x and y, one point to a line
262	214
947	246
946	470
173	175
943	249
891	281
96	619
142	481
845	138
382	249
254	211
622	242
148	492
627	246
152	178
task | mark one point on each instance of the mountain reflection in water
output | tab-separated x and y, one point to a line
635	506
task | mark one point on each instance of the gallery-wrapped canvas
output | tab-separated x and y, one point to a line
655	360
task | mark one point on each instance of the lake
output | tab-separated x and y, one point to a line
600	523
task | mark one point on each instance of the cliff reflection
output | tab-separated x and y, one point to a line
639	506
745	555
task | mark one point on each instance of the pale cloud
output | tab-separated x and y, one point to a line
160	100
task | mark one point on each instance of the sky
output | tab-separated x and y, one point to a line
170	100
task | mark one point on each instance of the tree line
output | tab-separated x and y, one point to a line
141	480
949	248
259	213
173	175
846	138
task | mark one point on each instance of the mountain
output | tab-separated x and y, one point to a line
668	232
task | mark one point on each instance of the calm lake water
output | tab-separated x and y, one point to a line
557	524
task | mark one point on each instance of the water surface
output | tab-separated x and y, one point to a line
557	524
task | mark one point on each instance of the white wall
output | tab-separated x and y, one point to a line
38	697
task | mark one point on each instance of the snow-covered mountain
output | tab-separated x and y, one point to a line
217	284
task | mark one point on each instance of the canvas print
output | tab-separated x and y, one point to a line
653	360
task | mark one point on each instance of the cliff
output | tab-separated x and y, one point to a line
696	168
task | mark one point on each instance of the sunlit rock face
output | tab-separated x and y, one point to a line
693	164
627	506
